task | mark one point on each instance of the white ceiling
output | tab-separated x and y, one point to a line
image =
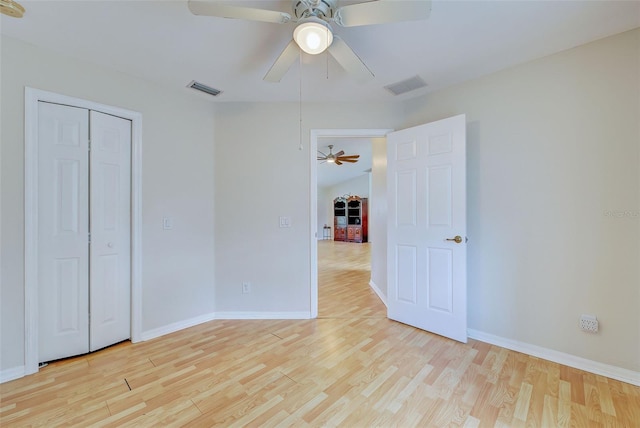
330	174
162	41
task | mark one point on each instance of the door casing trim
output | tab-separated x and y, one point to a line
31	98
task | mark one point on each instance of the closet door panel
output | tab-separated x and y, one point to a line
63	228
110	207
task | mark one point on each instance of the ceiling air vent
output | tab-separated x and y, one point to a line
204	88
408	85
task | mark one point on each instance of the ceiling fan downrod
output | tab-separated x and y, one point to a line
322	9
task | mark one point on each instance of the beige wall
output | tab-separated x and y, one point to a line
553	148
358	186
257	151
324	209
177	181
378	217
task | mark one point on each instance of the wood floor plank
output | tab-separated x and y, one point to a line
522	404
351	367
564	404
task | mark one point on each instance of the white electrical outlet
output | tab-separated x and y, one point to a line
246	287
589	323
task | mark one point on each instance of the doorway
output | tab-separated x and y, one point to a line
318	138
426	169
33	181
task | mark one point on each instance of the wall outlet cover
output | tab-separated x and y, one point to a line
589	323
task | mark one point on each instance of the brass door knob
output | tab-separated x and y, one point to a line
457	239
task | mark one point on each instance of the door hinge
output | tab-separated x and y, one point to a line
89	145
89	237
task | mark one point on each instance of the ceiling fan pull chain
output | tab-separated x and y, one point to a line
327	56
300	105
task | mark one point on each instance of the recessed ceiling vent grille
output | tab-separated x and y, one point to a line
408	85
204	88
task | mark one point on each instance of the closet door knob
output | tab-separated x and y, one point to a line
110	245
457	239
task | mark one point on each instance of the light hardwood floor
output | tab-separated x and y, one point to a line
351	367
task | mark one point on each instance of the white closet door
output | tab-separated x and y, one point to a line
63	228
110	206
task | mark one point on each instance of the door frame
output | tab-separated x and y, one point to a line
314	135
31	98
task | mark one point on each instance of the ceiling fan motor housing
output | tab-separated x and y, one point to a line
322	9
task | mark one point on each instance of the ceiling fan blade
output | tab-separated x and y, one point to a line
338	162
382	12
348	160
350	157
340	153
217	8
283	63
322	158
348	59
322	153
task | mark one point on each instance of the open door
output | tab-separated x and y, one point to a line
426	248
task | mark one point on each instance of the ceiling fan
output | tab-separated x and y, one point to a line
337	158
313	33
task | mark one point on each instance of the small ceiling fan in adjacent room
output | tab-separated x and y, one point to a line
337	158
313	33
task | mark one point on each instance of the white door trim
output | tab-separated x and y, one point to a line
31	99
313	198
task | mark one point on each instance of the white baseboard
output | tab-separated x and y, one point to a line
263	315
180	325
172	328
613	372
11	374
18	372
375	288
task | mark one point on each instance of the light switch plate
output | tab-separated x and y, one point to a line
285	221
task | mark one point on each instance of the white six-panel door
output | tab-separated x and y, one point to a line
63	230
110	259
84	289
426	212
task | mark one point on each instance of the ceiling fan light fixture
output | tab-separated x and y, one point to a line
313	35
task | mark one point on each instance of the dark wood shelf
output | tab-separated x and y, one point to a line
350	221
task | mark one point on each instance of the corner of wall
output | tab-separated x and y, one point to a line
380	294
